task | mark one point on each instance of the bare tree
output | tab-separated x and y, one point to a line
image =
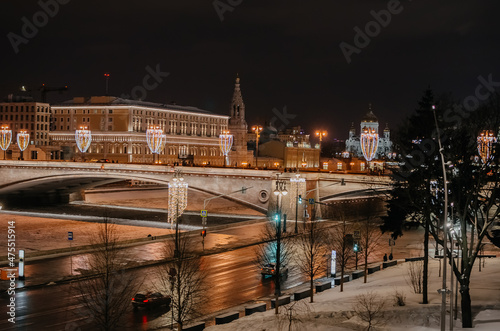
370	240
294	316
106	291
341	241
276	248
311	248
370	309
183	279
415	275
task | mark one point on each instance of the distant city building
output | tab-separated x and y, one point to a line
288	149
119	127
34	118
369	121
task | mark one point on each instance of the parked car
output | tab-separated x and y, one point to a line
150	300
270	269
103	161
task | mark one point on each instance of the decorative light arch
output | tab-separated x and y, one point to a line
369	143
225	144
23	140
83	138
5	138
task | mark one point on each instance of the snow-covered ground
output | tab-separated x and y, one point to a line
334	310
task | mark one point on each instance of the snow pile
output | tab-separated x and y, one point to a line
335	310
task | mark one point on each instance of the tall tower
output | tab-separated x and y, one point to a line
237	124
238	128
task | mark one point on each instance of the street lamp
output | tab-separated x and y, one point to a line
321	134
485	142
23	139
154	138
300	185
257	129
445	216
369	143
177	203
279	191
225	144
5	139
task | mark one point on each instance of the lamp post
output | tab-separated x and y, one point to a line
321	134
177	203
445	234
5	139
257	129
154	138
299	184
23	139
279	191
225	144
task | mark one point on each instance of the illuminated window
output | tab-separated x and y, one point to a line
325	165
362	166
339	165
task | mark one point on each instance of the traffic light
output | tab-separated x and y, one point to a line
300	199
276	218
203	233
356	248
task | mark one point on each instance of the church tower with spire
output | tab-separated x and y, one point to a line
238	127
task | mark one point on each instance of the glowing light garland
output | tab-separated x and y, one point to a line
485	142
225	143
23	140
177	197
154	137
163	143
83	138
297	186
369	143
5	138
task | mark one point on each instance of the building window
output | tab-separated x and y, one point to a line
34	155
325	165
339	166
362	166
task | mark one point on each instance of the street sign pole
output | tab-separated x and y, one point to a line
204	215
70	239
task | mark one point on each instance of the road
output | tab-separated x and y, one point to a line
232	279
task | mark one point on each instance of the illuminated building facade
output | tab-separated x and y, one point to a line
32	117
369	123
119	130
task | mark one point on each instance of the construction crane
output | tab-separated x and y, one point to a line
45	89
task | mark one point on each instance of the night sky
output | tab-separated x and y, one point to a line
287	54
